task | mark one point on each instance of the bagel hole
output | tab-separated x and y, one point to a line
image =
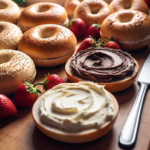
125	18
1	28
95	10
43	9
127	5
80	0
47	33
4	58
3	6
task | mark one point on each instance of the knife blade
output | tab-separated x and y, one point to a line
129	132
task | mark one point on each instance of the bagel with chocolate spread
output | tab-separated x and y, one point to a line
140	5
42	13
48	45
115	69
129	28
92	11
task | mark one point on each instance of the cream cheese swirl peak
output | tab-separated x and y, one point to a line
77	106
102	64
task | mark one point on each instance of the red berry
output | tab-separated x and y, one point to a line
26	95
93	31
77	26
147	2
51	81
7	108
112	44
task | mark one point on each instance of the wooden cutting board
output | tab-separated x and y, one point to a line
20	132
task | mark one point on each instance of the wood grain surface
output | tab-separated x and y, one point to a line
20	132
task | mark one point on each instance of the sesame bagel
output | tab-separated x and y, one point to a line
130	29
15	67
42	13
92	11
9	11
48	45
10	35
139	5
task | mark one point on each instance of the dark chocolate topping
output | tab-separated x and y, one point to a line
102	64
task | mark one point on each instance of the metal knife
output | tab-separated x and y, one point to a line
129	132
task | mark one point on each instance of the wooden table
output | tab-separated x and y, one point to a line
20	132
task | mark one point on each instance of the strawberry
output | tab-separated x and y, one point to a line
52	80
112	44
26	95
93	31
7	108
88	42
77	26
147	2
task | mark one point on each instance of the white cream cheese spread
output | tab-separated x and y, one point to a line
77	106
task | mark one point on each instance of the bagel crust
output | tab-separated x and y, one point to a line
42	13
15	67
130	29
140	5
9	11
10	35
48	45
92	11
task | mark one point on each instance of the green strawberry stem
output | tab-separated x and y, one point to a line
97	25
31	88
71	22
20	1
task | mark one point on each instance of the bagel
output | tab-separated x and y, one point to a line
92	11
48	45
115	69
9	11
15	67
70	124
42	13
130	29
140	5
10	35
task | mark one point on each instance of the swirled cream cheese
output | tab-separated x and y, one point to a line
77	106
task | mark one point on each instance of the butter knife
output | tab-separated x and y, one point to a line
129	132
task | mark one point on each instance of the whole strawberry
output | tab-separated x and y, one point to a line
7	108
88	42
26	95
112	44
77	26
147	2
93	31
52	80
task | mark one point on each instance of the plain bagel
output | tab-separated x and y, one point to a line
9	11
42	13
15	67
92	11
48	45
140	5
130	29
10	35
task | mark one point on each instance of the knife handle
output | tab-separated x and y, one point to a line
129	133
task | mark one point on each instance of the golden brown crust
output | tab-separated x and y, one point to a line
92	11
114	86
49	43
42	13
9	11
10	35
80	137
129	28
140	5
15	67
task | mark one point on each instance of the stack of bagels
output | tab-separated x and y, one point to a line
38	36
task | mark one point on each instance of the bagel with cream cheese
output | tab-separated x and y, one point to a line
70	111
15	67
9	11
129	28
48	45
10	35
92	11
115	69
140	5
42	13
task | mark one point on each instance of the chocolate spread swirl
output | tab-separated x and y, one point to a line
102	64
